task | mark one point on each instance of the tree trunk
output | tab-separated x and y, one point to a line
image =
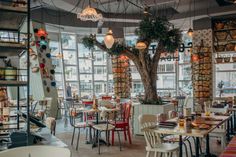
149	84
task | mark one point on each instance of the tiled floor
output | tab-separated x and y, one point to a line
137	149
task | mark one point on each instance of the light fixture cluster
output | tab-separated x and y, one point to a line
89	14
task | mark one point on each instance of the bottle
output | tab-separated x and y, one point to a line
95	103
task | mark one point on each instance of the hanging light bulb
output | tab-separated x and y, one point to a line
141	45
190	32
109	39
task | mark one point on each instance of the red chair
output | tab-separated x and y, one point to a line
88	104
123	124
106	97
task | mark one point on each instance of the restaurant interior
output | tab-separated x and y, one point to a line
85	78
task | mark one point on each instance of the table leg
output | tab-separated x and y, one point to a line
180	146
207	145
228	127
197	146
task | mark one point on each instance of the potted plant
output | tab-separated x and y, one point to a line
10	71
151	29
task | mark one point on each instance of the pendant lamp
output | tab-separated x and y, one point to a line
109	39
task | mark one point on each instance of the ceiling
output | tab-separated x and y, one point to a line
131	11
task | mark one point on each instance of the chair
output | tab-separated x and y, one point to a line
174	138
36	151
106	97
221	131
153	139
73	114
123	124
107	127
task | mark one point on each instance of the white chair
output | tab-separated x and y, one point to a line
36	151
221	131
153	139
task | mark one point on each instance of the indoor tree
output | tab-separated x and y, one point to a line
151	30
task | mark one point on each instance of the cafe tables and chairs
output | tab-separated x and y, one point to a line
153	139
201	130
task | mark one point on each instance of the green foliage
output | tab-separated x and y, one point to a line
160	30
88	42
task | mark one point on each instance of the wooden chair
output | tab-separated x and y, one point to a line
153	139
36	151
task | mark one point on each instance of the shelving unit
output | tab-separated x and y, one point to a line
121	76
12	19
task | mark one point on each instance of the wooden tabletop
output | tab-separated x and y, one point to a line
192	132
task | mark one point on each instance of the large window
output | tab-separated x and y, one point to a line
89	72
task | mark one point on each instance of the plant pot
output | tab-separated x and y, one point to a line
219	25
221	35
10	73
230	47
219	48
2	73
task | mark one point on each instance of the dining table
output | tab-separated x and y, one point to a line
213	120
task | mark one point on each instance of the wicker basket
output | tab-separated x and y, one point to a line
234	58
232	24
219	48
219	25
233	34
221	35
227	59
230	47
219	60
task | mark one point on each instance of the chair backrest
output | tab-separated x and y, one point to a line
36	151
106	97
188	102
87	103
218	110
151	137
172	114
126	112
147	120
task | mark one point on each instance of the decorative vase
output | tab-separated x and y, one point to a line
10	73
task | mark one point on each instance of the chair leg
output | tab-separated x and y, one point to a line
125	134
112	137
119	139
98	136
78	140
155	154
129	135
148	153
73	136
